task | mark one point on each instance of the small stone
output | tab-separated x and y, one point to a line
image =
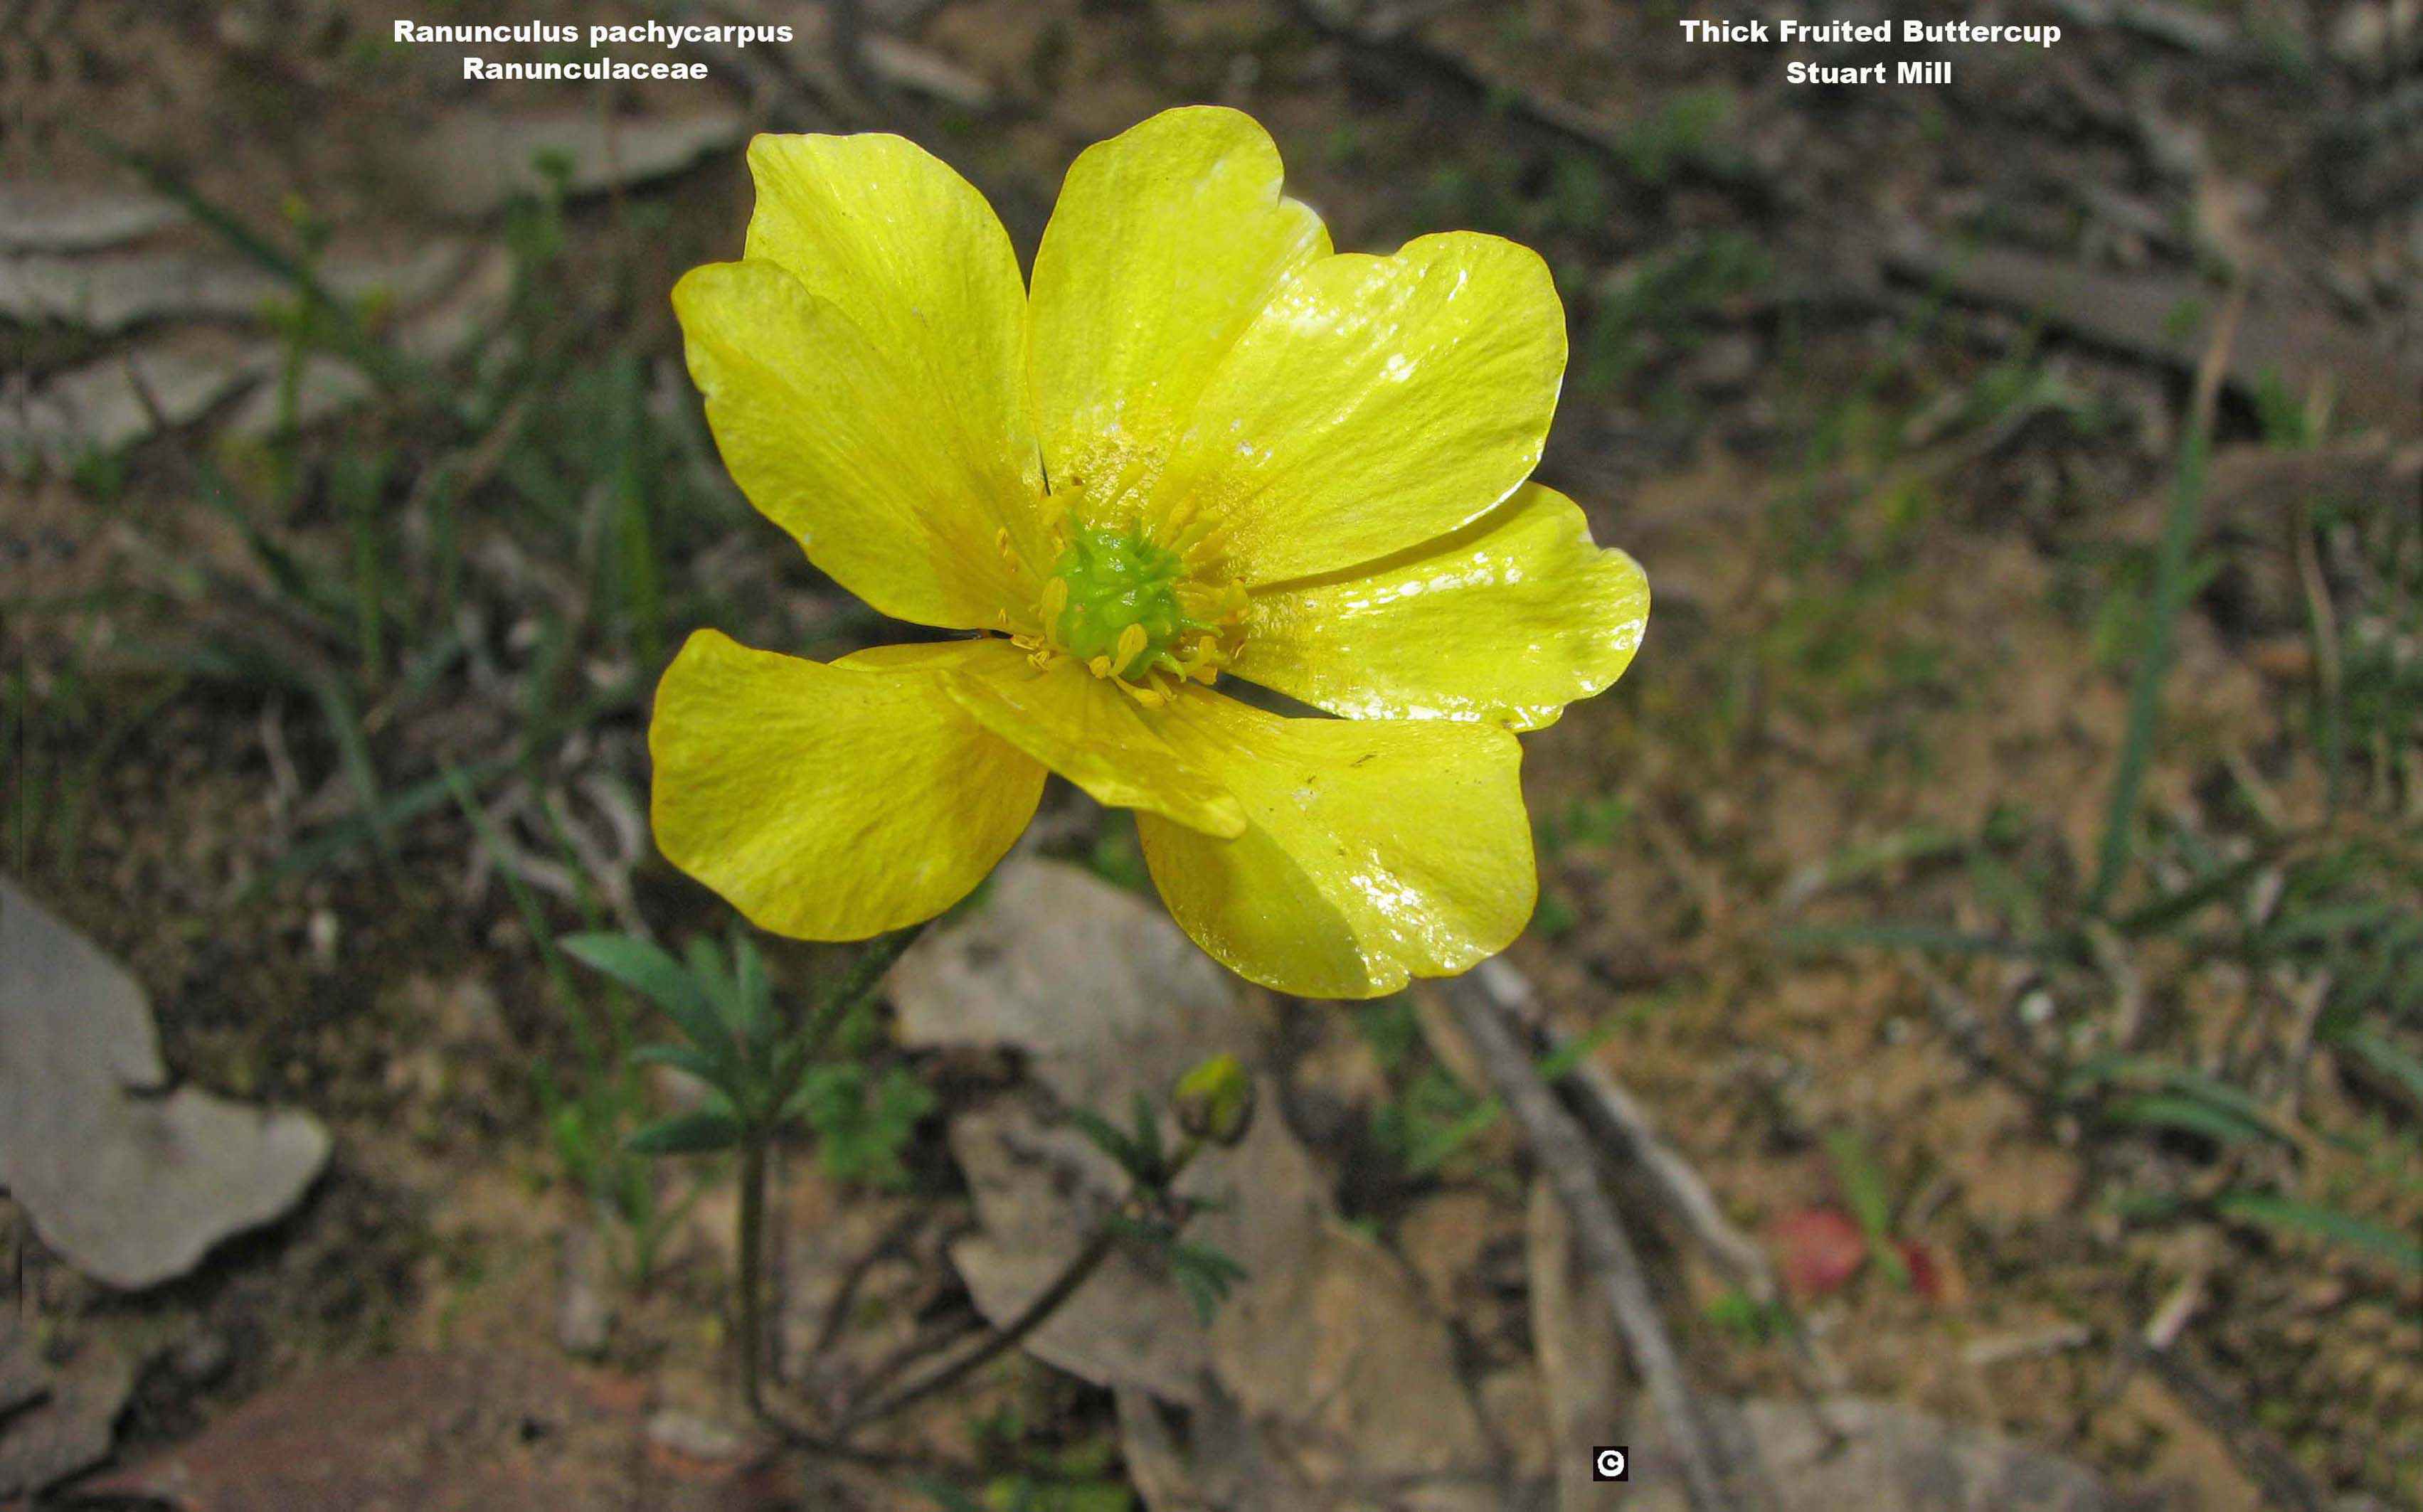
202	1356
1727	363
321	933
695	1438
584	1320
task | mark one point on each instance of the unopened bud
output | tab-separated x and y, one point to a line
1216	1100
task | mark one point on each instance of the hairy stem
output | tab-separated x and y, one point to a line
865	974
753	1245
1078	1271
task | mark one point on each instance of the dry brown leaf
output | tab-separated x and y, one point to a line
469	1432
1324	1377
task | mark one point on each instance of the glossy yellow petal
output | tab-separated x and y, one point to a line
1378	849
825	802
1168	240
842	443
1079	725
919	262
1507	620
1376	403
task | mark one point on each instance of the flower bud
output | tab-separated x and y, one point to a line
1216	1100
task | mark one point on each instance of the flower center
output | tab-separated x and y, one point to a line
1118	597
1122	604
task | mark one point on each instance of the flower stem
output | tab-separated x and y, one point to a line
865	974
1074	1275
1078	1271
752	1246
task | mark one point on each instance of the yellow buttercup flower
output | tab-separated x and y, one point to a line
1203	447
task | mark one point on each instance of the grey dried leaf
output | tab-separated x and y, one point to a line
128	1187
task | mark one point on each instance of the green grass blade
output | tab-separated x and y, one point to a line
2392	1062
2161	914
2120	1068
1865	1193
2173	583
1815	938
2176	1114
1433	1148
354	754
391	369
533	921
2295	1216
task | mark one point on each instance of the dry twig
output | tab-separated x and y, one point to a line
1617	1120
1564	1157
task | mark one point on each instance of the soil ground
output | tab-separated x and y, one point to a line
1901	528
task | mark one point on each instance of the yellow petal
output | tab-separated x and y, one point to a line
911	273
1167	240
1079	725
1378	849
915	256
1507	620
1376	403
843	445
828	803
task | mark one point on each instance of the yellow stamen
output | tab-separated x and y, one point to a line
1132	643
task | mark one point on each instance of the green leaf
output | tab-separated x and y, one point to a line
861	1122
651	972
707	969
700	1131
682	1058
1210	1261
1106	1137
1205	1275
2322	1222
1148	1138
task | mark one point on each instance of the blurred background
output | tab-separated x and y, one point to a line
1999	879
